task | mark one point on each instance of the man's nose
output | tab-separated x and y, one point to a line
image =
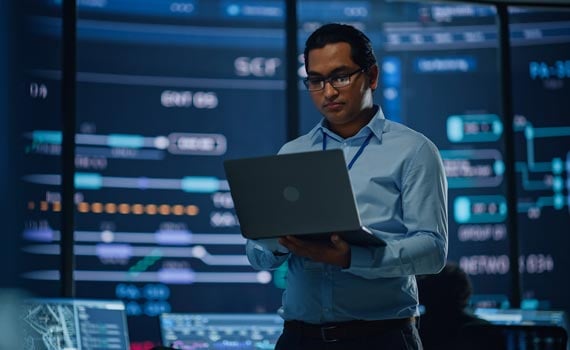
330	90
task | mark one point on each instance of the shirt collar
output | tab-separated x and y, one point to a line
376	126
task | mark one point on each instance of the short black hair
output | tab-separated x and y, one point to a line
361	47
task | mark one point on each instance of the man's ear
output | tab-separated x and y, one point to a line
373	76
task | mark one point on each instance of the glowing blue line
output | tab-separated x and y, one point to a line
47	136
552	132
528	184
90	181
557	202
201	184
529	150
532	133
85	181
262	277
125	141
545	201
150	237
127	251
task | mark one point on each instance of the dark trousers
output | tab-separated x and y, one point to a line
404	337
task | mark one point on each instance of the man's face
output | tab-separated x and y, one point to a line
344	105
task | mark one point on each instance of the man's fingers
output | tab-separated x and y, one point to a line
290	243
338	242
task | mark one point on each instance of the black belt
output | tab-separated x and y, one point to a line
332	332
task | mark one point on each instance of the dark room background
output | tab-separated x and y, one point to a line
166	90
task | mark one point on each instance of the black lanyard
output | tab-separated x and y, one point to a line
358	153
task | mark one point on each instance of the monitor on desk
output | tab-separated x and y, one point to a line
217	331
523	317
527	329
78	324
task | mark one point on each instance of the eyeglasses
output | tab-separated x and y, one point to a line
336	81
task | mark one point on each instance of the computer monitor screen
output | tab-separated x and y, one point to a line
73	324
527	329
523	317
220	331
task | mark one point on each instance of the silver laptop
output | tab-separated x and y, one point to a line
302	194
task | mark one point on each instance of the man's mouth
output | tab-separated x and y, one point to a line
333	105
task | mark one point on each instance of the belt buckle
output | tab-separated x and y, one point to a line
324	334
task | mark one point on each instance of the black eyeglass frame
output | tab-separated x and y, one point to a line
330	79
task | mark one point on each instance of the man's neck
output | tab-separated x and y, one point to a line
354	126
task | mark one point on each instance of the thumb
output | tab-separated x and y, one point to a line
337	241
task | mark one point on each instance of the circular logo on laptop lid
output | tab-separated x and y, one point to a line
291	193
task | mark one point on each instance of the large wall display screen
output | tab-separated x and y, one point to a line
541	86
166	91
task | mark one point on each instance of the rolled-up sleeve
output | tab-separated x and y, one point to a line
261	258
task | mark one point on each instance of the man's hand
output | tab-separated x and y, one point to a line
336	252
271	244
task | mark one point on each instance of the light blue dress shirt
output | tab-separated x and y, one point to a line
401	191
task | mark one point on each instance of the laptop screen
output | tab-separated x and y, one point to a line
220	331
74	324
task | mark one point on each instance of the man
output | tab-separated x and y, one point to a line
340	296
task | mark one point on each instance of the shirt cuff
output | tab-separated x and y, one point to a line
360	257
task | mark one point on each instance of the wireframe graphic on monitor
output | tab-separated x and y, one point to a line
66	324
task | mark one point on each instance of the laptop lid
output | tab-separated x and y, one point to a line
306	194
79	324
220	331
